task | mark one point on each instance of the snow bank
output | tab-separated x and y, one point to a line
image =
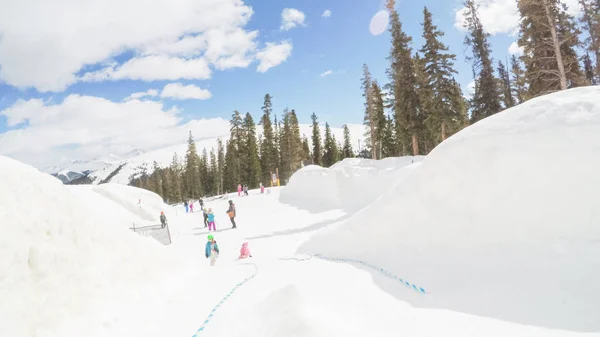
62	260
350	184
501	220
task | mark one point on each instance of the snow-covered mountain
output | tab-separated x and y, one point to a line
120	171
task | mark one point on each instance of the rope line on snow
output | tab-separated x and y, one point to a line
414	287
225	298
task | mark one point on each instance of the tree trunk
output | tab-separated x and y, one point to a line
443	131
415	145
559	59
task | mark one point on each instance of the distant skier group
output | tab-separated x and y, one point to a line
243	189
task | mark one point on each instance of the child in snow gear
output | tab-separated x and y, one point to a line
191	207
185	204
245	190
211	220
205	214
163	220
201	202
262	188
231	213
239	190
211	250
245	251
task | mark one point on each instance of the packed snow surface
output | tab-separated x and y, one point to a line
350	184
498	224
501	220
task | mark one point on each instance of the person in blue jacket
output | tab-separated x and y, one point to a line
211	250
211	220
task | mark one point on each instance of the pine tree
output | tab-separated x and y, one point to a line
378	121
214	174
220	165
485	101
445	105
253	173
591	24
549	36
330	154
388	147
192	181
156	177
306	155
369	118
230	173
291	145
204	176
403	85
237	142
518	83
347	151
268	149
177	176
588	67
505	86
317	152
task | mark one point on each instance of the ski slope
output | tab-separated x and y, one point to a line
498	224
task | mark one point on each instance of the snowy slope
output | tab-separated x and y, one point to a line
350	184
164	156
501	220
63	261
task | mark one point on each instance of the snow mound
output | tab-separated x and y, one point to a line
350	184
61	260
500	220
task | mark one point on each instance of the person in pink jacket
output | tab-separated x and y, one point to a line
239	190
245	251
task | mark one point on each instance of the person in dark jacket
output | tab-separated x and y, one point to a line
163	220
231	213
205	214
201	202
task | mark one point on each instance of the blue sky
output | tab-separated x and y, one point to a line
340	44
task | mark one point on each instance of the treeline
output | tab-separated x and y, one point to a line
246	158
426	103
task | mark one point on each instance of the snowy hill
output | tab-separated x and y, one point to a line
501	220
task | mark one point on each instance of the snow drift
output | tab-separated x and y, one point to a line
500	220
350	184
61	259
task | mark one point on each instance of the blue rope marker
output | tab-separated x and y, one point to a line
381	270
226	297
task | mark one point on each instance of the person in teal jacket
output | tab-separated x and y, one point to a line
211	220
211	250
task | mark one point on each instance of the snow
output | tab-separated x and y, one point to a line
501	220
350	184
498	224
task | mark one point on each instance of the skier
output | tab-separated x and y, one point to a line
262	188
163	220
211	220
201	202
245	251
185	204
239	190
231	213
192	207
205	214
245	189
211	250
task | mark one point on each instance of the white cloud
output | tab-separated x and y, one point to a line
501	16
515	49
85	127
290	18
180	91
151	68
273	55
173	39
138	95
327	73
326	13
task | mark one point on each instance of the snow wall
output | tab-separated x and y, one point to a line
350	184
501	220
62	257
